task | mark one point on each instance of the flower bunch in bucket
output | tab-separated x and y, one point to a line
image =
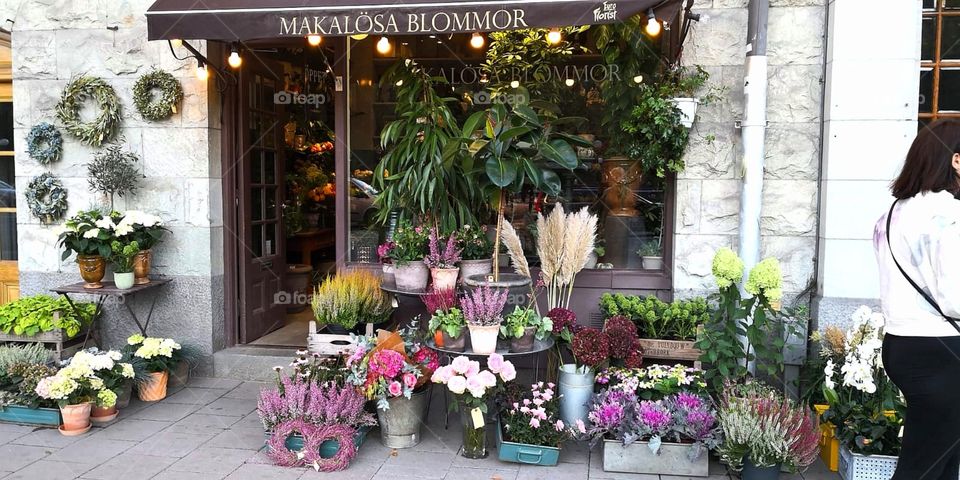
389	366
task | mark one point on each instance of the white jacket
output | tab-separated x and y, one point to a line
925	235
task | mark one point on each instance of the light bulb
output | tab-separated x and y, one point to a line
399	83
176	42
314	40
515	84
235	60
554	36
653	26
383	45
359	36
477	41
638	79
569	82
483	78
202	72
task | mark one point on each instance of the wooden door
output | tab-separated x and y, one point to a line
261	249
9	274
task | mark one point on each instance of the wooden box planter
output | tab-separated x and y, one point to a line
30	416
525	454
328	448
671	350
673	459
854	466
63	346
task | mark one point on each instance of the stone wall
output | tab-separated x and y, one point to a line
708	192
54	40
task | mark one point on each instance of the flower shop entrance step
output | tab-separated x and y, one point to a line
251	363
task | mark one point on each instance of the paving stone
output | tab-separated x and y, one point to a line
47	437
461	473
171	475
417	464
252	420
491	462
200	423
253	471
132	429
215	460
196	396
242	438
166	412
563	471
210	382
130	466
14	457
7	436
92	450
596	471
230	406
247	390
353	472
575	452
171	444
49	469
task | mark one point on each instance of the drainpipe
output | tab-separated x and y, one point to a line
752	130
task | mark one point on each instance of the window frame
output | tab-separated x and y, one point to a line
938	14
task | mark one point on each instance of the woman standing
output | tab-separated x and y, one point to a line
918	250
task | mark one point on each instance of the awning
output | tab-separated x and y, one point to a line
235	20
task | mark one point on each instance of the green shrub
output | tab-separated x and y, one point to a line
29	353
33	315
655	318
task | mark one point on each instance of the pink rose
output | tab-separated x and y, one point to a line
395	389
487	379
475	386
457	384
508	373
473	368
410	380
442	375
495	362
460	364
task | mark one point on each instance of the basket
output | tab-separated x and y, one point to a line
854	466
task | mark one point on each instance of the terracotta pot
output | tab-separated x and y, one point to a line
123	280
92	270
155	388
483	338
621	180
412	276
102	414
76	417
475	267
525	342
141	267
457	344
444	278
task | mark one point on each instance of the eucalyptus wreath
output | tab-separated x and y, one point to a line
44	143
101	129
165	104
46	197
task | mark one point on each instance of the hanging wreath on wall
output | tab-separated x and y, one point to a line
44	143
161	106
107	123
46	198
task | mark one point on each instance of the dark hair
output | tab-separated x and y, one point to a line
929	164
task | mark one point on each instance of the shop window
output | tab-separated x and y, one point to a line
630	205
940	61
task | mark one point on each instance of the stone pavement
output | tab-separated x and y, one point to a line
210	430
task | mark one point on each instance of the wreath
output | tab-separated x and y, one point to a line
313	437
46	198
101	129
170	94
44	143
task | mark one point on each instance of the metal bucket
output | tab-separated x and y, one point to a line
400	424
576	390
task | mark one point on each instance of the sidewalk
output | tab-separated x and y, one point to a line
210	430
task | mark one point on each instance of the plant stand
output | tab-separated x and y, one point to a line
110	290
63	346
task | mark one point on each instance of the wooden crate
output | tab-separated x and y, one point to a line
63	346
682	350
330	344
29	416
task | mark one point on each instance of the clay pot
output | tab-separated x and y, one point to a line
483	338
124	280
124	395
525	342
621	180
76	418
475	267
179	375
155	388
444	278
412	276
141	267
102	414
457	344
92	270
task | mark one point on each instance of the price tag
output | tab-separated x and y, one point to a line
477	416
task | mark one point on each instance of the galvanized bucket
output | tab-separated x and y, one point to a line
576	390
400	424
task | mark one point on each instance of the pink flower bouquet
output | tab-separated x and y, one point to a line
469	384
389	367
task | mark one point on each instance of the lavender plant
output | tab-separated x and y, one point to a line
484	306
446	256
316	404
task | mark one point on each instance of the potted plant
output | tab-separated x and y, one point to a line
669	436
599	250
387	266
483	311
122	257
88	234
654	382
591	349
145	229
21	369
666	330
35	315
765	432
477	251
447	321
75	388
650	255
108	367
472	388
394	370
623	342
409	248
530	430
442	261
351	300
522	326
158	358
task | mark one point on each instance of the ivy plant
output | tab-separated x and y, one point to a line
34	315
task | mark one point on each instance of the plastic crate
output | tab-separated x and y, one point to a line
829	445
854	466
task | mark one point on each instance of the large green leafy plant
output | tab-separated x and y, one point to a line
414	177
86	233
655	318
33	315
524	56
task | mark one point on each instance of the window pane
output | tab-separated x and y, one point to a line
950	39
270	243
6	126
8	236
256	241
271	207
928	42
928	4
947	4
256	167
256	208
926	91
949	90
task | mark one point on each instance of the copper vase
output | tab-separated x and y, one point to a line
141	267
621	180
92	269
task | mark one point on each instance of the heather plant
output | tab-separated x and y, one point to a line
484	306
441	300
444	312
440	255
31	353
349	299
315	403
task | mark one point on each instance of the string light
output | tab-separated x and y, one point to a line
235	60
554	37
638	79
176	42
314	40
569	82
383	45
202	72
399	83
515	84
483	78
359	36
477	41
653	25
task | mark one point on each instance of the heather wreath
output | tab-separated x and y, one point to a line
314	403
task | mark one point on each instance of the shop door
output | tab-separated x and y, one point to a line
260	246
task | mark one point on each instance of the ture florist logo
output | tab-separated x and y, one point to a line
606	12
